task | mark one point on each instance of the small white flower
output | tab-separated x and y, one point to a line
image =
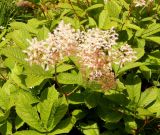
123	55
1	27
139	3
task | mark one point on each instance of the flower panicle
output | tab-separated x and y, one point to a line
89	46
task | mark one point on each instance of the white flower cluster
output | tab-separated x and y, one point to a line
92	51
90	47
140	3
58	45
122	55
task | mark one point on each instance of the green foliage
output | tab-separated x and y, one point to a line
7	11
61	100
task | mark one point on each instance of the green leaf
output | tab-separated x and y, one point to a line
133	85
6	128
3	43
23	26
155	108
68	78
120	99
28	113
62	68
35	23
15	53
28	96
79	114
52	109
64	126
92	99
27	132
42	33
95	6
154	28
92	22
69	6
4	115
20	38
155	55
113	9
89	129
104	19
139	52
18	122
140	43
148	96
129	66
146	72
110	115
142	113
76	98
72	7
35	75
130	125
155	39
132	26
15	76
108	111
4	99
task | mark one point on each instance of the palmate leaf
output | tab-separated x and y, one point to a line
63	127
52	109
28	113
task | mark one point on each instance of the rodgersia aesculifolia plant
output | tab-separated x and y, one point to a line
93	48
50	81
